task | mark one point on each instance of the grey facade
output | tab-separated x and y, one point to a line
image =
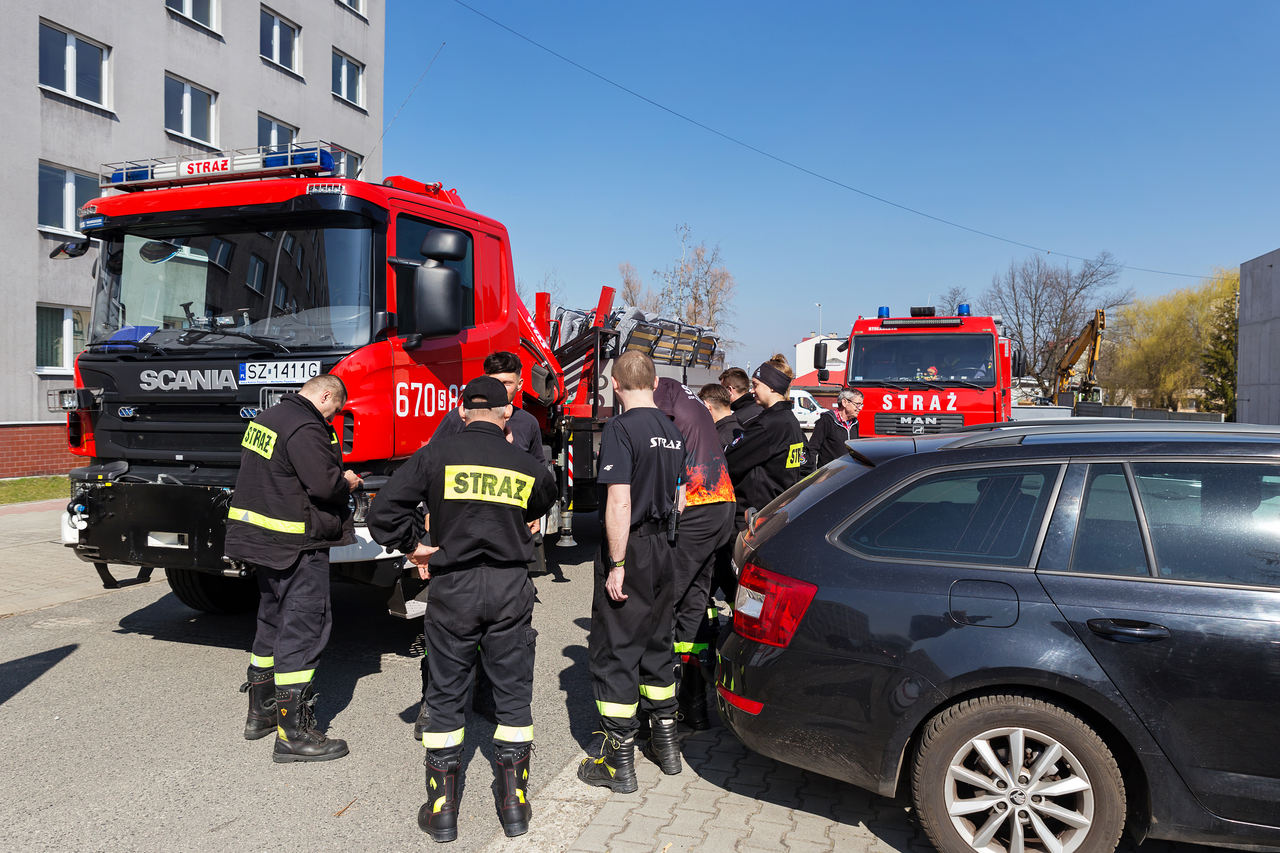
1258	360
255	65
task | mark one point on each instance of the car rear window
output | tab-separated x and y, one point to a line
1213	521
989	515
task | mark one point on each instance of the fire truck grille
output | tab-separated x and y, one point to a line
156	432
905	423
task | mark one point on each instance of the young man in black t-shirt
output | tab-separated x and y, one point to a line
642	457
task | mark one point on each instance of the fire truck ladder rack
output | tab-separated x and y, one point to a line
301	159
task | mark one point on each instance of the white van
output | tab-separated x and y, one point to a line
805	408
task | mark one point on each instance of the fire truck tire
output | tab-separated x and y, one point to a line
213	593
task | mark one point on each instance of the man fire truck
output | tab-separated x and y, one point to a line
925	373
225	281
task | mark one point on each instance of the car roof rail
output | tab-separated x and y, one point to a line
1067	429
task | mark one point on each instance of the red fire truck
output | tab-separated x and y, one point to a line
225	281
926	373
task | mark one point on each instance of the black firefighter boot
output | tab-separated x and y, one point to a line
692	695
438	816
615	769
662	748
297	738
511	767
260	684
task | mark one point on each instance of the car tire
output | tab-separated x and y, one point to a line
1067	784
212	593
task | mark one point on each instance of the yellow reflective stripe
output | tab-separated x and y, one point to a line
653	691
302	677
513	734
795	455
689	648
617	709
440	740
483	483
259	439
261	663
279	525
437	805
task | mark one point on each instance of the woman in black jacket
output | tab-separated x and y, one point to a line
833	429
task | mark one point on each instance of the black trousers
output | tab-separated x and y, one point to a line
486	611
630	641
294	614
703	529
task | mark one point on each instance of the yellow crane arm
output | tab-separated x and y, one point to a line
1090	338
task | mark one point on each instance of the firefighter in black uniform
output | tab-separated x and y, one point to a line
741	401
770	455
642	456
481	493
290	505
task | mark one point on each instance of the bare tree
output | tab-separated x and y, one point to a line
953	297
1044	306
698	288
550	284
634	293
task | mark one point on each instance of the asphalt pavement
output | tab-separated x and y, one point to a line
121	719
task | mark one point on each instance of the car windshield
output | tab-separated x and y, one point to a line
944	358
289	289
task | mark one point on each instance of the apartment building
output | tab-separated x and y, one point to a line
88	83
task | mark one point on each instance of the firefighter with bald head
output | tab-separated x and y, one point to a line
481	494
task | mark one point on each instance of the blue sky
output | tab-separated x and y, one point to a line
1148	130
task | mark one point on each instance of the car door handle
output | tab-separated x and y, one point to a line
1127	630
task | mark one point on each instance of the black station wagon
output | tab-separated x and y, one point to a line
1044	631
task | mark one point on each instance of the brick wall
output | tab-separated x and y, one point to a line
28	450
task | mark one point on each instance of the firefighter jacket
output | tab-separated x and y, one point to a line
768	458
290	493
480	491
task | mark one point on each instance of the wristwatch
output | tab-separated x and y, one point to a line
617	564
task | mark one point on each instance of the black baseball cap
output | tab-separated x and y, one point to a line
484	392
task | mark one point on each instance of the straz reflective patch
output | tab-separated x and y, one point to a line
795	455
260	440
482	483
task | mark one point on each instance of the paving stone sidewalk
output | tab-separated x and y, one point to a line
727	799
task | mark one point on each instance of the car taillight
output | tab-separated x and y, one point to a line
769	606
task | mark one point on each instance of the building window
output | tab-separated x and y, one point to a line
273	134
278	40
348	76
220	252
72	65
346	164
354	5
61	193
200	11
188	110
254	276
60	335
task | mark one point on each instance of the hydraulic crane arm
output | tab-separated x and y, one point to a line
1090	339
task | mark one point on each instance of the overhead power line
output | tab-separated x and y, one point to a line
791	163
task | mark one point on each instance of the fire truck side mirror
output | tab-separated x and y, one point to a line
437	301
444	244
1019	364
70	249
820	356
824	375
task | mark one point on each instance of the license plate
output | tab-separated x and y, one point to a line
271	372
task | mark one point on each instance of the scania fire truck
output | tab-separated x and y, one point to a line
926	373
225	281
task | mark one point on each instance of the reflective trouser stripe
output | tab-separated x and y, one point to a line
616	709
261	663
287	678
279	525
441	740
513	734
651	691
689	648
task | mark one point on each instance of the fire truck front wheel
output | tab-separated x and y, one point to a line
213	593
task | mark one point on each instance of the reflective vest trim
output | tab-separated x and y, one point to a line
259	520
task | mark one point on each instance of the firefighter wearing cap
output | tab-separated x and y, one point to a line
481	493
290	505
769	456
642	457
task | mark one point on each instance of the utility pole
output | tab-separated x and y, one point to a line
819	304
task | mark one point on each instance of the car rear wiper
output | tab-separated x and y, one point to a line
190	336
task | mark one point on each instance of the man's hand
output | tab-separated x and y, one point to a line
613	583
420	556
535	525
681	499
353	480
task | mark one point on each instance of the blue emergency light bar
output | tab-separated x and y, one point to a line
295	158
882	312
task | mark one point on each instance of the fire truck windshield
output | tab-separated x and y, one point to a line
951	358
289	289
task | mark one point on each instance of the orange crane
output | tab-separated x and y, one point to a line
1089	340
